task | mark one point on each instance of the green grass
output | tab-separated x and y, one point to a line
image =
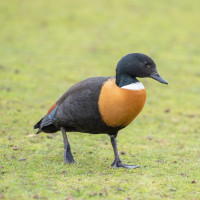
47	46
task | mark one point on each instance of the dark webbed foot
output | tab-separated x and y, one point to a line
68	157
119	164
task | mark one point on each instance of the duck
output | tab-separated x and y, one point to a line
102	105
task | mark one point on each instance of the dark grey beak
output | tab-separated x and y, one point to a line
155	75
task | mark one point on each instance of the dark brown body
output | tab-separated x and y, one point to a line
78	108
98	105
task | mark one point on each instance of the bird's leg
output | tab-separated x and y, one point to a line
68	157
117	162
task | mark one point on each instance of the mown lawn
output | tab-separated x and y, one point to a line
47	46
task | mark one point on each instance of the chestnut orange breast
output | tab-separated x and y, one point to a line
119	106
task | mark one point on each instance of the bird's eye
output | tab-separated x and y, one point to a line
147	65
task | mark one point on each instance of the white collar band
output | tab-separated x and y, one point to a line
134	86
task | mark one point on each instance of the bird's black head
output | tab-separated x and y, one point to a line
136	65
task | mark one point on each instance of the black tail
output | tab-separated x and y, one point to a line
38	124
46	124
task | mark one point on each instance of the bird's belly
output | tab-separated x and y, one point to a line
118	106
